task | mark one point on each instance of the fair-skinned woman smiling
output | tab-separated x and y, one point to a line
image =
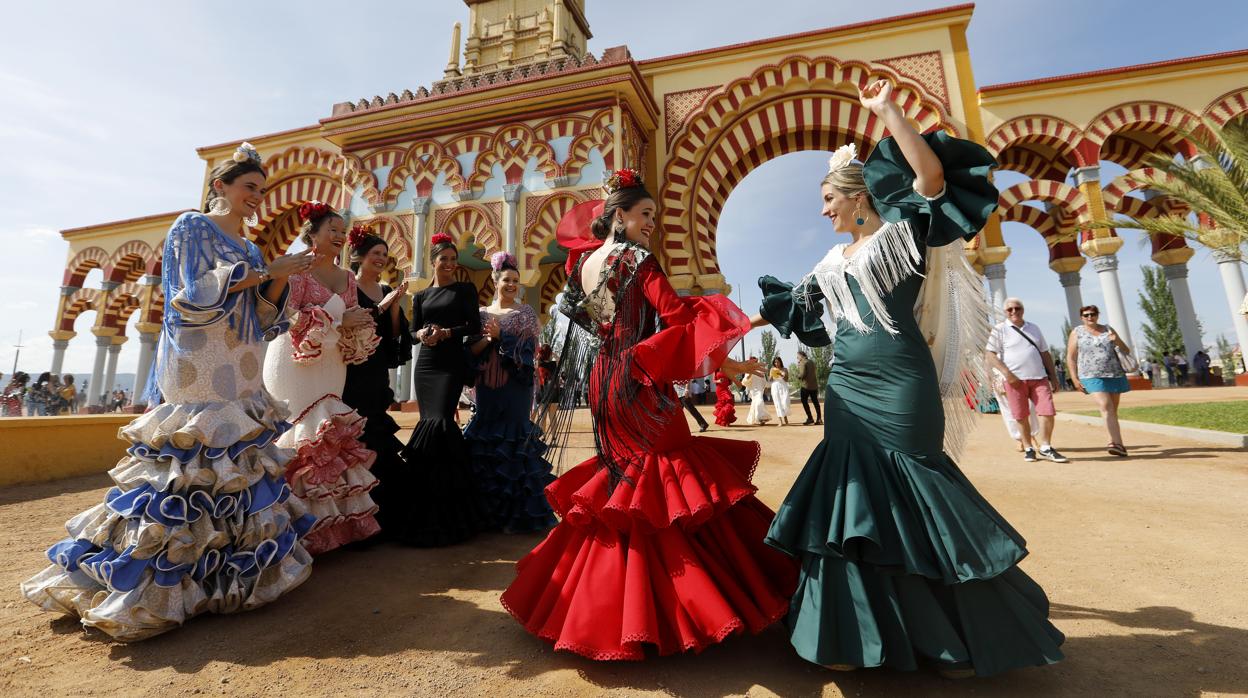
200	519
368	388
308	368
1096	370
903	561
442	505
506	446
660	541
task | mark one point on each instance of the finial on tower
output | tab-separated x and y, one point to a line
452	63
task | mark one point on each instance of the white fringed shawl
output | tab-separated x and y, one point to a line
952	310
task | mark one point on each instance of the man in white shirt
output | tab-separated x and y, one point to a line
1017	349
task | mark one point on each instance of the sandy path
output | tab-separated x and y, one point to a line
1145	561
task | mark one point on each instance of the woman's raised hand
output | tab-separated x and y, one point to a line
877	96
397	293
288	264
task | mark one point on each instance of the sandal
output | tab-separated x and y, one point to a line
1117	450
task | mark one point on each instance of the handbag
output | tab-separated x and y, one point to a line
1126	362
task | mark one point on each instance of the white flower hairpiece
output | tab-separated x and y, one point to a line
843	156
246	152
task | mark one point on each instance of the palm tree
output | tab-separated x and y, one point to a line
1214	182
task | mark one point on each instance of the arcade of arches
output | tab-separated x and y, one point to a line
523	128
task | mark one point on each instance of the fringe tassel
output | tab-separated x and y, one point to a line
888	258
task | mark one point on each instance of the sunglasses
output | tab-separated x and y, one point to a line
1013	310
1090	314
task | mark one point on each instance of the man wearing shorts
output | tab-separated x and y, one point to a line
1017	349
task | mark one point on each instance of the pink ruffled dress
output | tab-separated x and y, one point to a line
307	367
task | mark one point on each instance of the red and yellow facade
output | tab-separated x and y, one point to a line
499	149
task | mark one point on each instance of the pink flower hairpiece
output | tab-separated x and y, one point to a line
502	260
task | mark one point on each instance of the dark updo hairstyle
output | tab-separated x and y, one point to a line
308	230
227	172
361	249
623	199
439	242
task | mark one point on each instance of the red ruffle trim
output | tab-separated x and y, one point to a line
725	413
335	449
686	486
307	334
695	349
347	529
357	344
604	594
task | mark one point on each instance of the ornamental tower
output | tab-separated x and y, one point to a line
507	33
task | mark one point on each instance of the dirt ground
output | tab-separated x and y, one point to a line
1144	559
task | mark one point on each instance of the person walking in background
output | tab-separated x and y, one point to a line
682	393
1180	367
1200	361
694	390
756	385
1167	361
1016	348
808	376
779	376
1091	351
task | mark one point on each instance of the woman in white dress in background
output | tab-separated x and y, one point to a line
756	386
780	389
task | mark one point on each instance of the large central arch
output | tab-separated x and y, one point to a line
799	104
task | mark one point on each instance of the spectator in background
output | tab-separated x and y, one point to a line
1180	367
1201	361
683	393
1016	348
696	389
69	394
1167	361
1096	370
808	378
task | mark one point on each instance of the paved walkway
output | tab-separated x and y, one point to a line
1145	560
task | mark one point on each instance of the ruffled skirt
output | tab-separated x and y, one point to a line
511	472
725	411
902	562
200	520
330	473
672	557
442	504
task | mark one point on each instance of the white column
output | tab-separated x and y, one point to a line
1233	280
1107	271
511	215
420	234
1176	279
147	352
996	286
58	354
97	370
110	373
1074	296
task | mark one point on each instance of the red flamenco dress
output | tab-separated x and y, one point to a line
725	403
661	537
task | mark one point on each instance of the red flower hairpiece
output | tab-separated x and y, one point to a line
312	210
441	239
359	231
621	179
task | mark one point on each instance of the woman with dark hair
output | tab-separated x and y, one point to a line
779	377
506	447
1092	353
442	504
14	394
38	396
368	384
200	518
661	538
903	561
307	367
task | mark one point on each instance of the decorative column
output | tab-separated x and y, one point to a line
102	343
1229	259
110	373
403	387
511	215
1105	262
420	234
1074	295
1172	255
996	285
60	342
147	352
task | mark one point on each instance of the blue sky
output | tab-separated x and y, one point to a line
103	105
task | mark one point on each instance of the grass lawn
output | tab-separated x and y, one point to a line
1219	416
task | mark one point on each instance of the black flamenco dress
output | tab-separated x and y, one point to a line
443	505
368	392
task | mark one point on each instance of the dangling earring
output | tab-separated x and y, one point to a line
219	206
858	219
252	221
618	230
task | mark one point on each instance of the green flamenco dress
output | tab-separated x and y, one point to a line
902	560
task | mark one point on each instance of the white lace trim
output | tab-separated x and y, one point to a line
887	259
